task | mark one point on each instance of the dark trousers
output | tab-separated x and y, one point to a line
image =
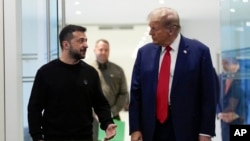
225	132
164	131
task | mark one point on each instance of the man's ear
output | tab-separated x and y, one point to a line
172	30
65	44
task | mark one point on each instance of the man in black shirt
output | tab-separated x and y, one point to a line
64	93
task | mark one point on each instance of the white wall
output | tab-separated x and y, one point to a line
124	43
208	32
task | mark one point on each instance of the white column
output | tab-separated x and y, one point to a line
12	70
2	134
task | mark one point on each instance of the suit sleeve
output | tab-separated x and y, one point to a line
208	98
135	97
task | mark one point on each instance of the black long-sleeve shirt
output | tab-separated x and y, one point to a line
61	102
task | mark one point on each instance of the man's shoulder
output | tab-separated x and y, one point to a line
114	65
148	48
149	45
87	66
193	42
50	64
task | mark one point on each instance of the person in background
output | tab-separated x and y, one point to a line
64	92
232	106
173	86
113	81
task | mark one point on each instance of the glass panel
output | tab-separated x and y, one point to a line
39	44
235	59
54	47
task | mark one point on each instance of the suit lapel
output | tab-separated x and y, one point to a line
181	62
157	53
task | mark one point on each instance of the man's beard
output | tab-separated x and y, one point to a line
75	55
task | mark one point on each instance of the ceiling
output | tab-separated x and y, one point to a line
106	12
134	11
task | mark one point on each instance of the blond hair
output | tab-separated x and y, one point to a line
167	16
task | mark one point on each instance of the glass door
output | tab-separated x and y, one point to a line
235	64
39	44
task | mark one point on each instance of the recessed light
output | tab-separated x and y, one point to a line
78	12
248	23
232	10
77	3
161	1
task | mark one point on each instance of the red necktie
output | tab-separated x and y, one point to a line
163	87
227	85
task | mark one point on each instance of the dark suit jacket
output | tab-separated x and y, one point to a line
193	101
234	100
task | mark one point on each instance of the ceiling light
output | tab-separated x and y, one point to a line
77	2
78	12
232	10
161	1
245	1
248	23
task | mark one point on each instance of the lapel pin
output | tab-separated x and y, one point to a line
85	82
184	51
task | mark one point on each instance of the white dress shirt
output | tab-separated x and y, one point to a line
173	54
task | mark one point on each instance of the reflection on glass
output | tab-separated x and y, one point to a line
232	102
235	86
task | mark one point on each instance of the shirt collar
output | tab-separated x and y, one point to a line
175	44
102	66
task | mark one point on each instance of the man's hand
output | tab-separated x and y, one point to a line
136	136
228	117
110	132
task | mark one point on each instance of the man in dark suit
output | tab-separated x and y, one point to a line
191	98
232	106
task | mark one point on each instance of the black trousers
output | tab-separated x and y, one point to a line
165	131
